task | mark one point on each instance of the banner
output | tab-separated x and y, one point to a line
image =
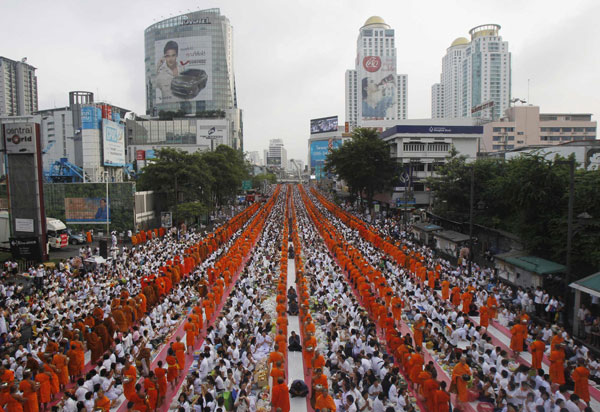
113	138
378	88
183	69
86	210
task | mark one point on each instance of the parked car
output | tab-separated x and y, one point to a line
76	238
189	83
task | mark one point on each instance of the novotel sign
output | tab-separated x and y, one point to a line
187	21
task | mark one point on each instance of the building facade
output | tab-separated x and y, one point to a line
374	90
18	88
277	155
189	68
421	146
523	126
476	77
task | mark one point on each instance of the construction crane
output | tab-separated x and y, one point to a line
298	169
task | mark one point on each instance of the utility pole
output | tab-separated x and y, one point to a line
107	205
472	195
570	219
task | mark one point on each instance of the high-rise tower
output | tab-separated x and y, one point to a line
373	89
476	77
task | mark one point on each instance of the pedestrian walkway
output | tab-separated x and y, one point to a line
295	366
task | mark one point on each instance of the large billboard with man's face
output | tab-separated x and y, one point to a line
324	125
379	99
183	69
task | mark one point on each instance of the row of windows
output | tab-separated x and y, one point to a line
421	147
564	138
568	129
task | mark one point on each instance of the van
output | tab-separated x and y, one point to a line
57	233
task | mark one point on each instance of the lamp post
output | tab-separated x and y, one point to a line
107	204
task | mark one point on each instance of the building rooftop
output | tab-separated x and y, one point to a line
589	285
532	263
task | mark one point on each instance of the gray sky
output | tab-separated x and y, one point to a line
290	56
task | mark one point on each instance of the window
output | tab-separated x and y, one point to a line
567	129
555	129
497	138
511	138
510	146
578	129
497	147
590	129
497	129
520	133
544	138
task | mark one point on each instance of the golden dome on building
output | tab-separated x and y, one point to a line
460	41
375	20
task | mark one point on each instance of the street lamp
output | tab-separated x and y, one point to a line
471	196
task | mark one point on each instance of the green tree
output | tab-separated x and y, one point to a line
364	163
175	170
191	212
257	181
228	168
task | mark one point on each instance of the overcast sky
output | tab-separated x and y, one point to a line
290	56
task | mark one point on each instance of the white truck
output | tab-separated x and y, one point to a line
56	230
57	233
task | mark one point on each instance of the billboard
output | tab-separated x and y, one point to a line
273	161
113	138
319	150
324	125
378	88
86	210
183	69
90	117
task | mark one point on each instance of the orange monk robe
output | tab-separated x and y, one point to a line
54	383
319	362
130	374
320	380
429	387
467	298
275	357
179	349
102	403
582	388
441	401
161	379
457	374
277	373
30	395
445	290
492	305
60	363
281	341
280	397
45	390
456	296
415	366
325	401
173	369
517	339
190	334
537	348
484	316
418	332
421	378
151	392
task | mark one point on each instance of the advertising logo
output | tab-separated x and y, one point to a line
372	63
20	138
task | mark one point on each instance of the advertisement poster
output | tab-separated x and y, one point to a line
86	210
320	149
114	143
324	125
183	69
378	88
166	219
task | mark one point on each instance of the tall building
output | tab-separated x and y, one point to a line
277	155
189	69
18	88
476	77
254	158
373	89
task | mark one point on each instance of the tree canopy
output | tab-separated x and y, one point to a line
364	163
528	196
200	181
